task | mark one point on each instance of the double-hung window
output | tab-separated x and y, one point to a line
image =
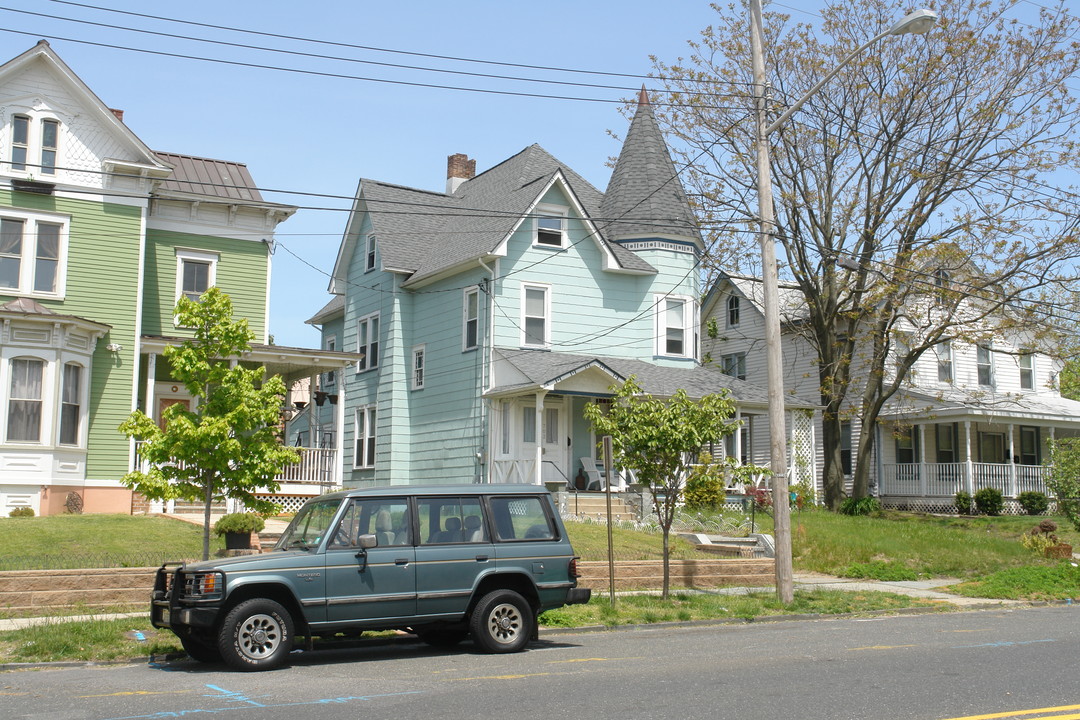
1027	370
364	437
71	404
943	350
330	377
196	272
419	354
24	412
32	254
369	257
367	342
550	226
26	135
985	364
734	365
535	315
733	307
470	331
675	327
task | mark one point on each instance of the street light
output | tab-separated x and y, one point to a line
917	22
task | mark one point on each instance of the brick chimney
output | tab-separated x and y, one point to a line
118	113
459	168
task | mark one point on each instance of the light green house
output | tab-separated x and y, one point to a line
491	313
99	236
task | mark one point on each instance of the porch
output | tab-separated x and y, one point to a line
941	481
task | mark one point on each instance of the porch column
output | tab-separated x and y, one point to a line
310	407
1012	465
969	467
922	459
538	476
339	433
149	401
738	436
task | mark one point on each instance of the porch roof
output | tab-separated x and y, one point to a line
985	406
290	363
520	371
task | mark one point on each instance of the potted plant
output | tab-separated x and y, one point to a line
237	529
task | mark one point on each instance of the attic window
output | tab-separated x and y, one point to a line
550	226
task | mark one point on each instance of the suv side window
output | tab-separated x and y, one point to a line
385	518
451	520
520	518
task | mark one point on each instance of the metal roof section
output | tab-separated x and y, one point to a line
517	371
645	196
215	178
30	309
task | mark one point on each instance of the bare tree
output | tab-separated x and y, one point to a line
929	167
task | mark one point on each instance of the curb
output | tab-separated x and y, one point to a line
586	629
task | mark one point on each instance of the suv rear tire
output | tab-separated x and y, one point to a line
257	635
502	622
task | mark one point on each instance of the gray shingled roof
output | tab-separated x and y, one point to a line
203	176
543	368
645	195
425	232
329	311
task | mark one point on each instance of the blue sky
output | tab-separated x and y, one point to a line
321	134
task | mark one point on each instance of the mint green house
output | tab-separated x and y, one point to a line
99	236
488	315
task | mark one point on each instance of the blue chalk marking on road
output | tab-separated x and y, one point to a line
1003	643
254	705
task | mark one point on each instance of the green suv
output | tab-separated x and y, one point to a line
441	562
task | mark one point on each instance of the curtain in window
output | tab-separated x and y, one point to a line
69	407
11	233
24	403
48	257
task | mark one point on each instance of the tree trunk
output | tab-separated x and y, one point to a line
832	471
667	561
206	520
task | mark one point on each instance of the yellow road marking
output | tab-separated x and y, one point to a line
882	647
1018	713
504	677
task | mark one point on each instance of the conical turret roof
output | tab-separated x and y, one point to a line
645	196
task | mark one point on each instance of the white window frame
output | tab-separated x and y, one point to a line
364	437
367	342
471	294
28	253
989	364
80	404
943	355
689	321
34	149
546	288
45	399
195	256
370	253
330	376
1026	356
550	212
419	366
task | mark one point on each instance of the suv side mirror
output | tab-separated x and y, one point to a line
364	542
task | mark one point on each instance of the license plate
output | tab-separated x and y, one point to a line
165	616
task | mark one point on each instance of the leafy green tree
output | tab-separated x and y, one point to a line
660	440
227	444
1069	379
916	196
1064	477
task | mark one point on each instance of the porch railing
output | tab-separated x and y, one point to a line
316	467
944	480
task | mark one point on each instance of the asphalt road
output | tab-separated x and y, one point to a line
952	665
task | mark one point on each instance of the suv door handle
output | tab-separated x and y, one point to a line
401	561
481	558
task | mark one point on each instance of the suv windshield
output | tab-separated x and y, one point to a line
309	526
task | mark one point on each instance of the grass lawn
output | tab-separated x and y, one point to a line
74	541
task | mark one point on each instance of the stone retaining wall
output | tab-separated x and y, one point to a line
649	574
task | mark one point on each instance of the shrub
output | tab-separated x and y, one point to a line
963	503
239	523
22	512
860	506
1033	502
1064	477
705	488
989	501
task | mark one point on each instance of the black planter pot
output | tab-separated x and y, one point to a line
237	541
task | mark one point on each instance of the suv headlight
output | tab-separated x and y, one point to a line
204	585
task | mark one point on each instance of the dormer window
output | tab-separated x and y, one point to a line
550	226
